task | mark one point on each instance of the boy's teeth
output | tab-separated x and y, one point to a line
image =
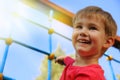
84	41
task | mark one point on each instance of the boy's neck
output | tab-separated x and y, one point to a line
85	61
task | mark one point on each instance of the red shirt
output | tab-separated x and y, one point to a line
91	72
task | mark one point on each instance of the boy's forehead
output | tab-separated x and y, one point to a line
89	17
89	21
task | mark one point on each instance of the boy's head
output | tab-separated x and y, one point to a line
94	31
99	14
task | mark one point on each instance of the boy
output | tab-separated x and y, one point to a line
94	31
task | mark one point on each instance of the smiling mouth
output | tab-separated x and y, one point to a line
84	41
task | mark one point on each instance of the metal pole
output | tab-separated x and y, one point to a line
113	75
4	59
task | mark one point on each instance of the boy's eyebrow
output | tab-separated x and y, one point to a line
78	23
92	24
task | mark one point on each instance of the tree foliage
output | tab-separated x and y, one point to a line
56	68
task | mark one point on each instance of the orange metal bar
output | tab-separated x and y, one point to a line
60	13
58	8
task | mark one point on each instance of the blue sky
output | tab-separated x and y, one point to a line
23	63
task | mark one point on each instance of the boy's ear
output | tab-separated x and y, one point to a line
109	42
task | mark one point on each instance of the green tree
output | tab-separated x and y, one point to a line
118	76
56	68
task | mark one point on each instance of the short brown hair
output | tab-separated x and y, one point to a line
100	14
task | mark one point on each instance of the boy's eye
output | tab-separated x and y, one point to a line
93	28
79	27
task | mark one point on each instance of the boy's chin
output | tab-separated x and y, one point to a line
84	52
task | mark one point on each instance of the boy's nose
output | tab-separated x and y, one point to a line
84	32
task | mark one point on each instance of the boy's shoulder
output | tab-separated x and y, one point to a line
68	60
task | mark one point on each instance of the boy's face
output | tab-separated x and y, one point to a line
88	36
